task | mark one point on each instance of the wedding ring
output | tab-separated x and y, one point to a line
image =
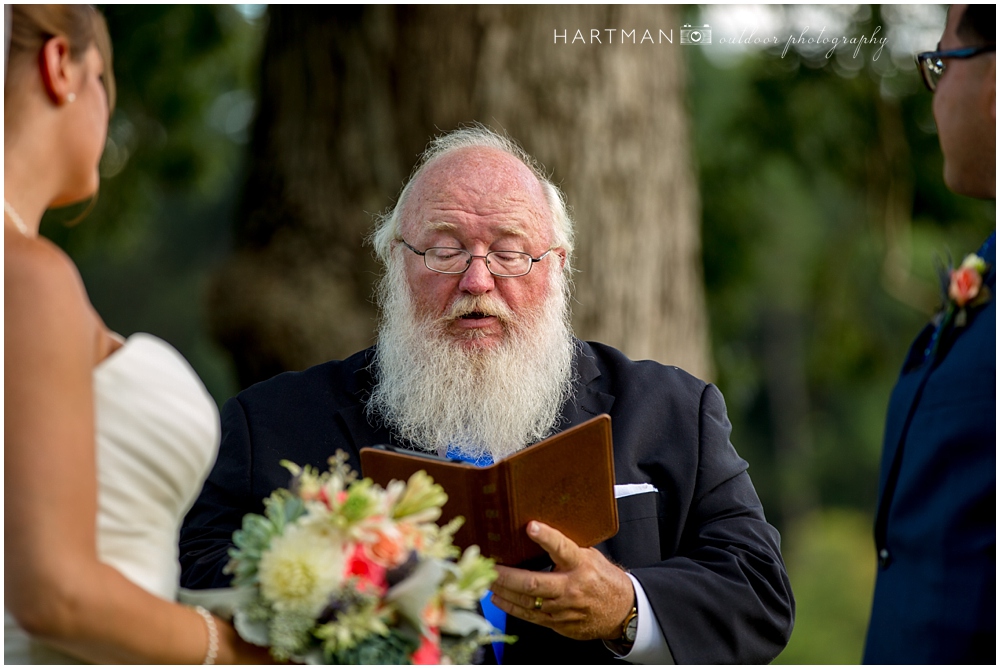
538	603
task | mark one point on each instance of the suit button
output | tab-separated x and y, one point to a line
884	558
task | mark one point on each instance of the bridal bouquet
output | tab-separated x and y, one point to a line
339	570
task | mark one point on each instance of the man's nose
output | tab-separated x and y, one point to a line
477	279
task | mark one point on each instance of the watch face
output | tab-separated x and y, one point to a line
631	628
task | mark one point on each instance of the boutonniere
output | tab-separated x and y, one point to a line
963	288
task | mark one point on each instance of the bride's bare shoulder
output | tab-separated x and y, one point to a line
38	264
42	286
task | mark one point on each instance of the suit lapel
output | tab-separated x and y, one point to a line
901	404
587	400
361	432
905	397
353	417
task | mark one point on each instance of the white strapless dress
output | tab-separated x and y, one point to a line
157	438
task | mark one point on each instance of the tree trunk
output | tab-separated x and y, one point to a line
349	98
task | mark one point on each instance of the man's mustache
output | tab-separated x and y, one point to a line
481	306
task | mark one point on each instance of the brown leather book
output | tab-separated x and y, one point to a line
566	481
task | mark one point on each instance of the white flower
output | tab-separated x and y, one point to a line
301	569
463	623
412	595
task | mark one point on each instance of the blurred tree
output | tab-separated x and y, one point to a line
350	96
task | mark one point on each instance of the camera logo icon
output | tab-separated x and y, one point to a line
695	35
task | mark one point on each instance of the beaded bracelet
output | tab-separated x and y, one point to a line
213	635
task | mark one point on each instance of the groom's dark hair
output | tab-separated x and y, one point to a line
978	25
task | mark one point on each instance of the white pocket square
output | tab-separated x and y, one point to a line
629	489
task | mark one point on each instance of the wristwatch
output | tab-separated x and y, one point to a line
630	626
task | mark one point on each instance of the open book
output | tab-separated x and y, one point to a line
566	481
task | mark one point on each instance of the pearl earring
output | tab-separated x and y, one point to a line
71	97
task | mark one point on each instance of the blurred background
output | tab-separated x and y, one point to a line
767	213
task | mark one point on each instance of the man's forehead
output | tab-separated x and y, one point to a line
480	170
484	183
501	229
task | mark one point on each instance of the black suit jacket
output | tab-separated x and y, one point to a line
701	548
935	529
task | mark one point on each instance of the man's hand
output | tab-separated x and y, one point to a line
583	597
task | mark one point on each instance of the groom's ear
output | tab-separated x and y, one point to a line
54	62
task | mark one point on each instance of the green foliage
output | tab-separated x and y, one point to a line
831	564
472	574
360	631
396	647
439	540
290	633
360	502
464	650
421	495
282	508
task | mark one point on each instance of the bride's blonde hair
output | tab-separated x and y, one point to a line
82	25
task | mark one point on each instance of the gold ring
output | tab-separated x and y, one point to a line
538	603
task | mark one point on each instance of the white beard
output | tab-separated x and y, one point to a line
434	393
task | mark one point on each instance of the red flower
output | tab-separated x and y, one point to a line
965	284
369	574
429	651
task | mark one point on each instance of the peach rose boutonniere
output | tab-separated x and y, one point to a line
966	289
963	289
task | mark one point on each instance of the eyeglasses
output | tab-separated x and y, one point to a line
505	264
931	63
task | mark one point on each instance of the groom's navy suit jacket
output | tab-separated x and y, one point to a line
701	548
935	529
